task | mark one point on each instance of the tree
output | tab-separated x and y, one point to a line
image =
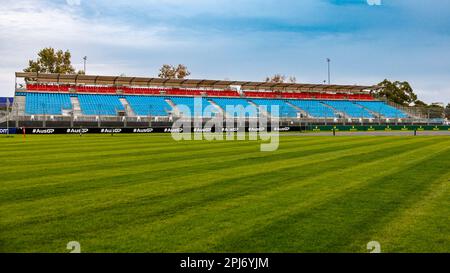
398	92
51	61
419	103
279	78
447	111
182	71
170	72
167	72
436	110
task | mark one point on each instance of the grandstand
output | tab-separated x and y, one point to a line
56	97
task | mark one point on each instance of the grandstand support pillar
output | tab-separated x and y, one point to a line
99	123
16	116
124	121
7	120
44	121
71	119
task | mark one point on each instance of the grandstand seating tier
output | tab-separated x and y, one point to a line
349	108
46	103
314	108
193	105
383	109
236	107
106	105
148	105
53	103
284	110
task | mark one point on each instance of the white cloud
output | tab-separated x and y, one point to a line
28	26
117	40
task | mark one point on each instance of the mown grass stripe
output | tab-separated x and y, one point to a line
227	156
321	203
287	190
216	203
175	173
124	152
422	226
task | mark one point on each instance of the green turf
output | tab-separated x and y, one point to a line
145	193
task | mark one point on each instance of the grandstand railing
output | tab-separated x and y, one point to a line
98	109
288	116
416	112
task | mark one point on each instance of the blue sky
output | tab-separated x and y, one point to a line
239	39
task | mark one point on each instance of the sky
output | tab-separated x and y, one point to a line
367	40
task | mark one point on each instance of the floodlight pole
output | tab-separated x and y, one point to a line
84	67
329	74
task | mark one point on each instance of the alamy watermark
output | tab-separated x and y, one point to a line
374	2
229	122
374	247
74	247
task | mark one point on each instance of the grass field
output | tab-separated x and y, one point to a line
144	193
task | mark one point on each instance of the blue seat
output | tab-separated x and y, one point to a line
350	108
46	103
148	105
38	103
314	108
284	109
236	107
383	108
106	105
199	105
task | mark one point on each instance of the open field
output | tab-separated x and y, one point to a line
130	193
